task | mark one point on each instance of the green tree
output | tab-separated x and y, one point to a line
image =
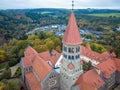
50	45
58	48
98	48
6	74
84	43
57	41
12	84
40	48
33	37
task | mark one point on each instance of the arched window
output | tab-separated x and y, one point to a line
72	57
78	49
65	56
72	50
76	57
69	50
65	49
69	57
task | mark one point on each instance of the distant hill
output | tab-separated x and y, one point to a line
14	23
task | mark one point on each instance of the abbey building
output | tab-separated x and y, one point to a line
63	71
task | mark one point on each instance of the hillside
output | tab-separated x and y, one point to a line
15	23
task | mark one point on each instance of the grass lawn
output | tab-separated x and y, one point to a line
45	12
106	14
18	72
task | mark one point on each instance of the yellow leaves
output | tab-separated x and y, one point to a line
1	86
21	52
47	40
118	37
58	48
2	55
84	43
37	42
33	37
97	47
50	45
40	48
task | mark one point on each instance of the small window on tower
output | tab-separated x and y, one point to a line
78	49
72	57
69	50
65	56
69	57
65	49
72	50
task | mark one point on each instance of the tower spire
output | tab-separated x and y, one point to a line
72	5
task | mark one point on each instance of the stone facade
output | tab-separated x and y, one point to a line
52	81
71	55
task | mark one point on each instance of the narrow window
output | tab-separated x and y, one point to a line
72	57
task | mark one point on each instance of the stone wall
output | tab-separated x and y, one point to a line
117	77
51	82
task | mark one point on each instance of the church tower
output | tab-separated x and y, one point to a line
71	68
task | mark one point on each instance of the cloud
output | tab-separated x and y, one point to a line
18	4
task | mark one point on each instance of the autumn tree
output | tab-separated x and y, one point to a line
40	48
2	85
2	55
97	47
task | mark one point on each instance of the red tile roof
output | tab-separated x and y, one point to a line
107	67
87	51
41	67
52	57
105	55
32	81
30	51
113	54
28	60
72	35
90	81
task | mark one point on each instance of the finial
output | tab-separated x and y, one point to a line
72	5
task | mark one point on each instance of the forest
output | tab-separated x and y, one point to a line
14	24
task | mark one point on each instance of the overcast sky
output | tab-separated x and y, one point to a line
20	4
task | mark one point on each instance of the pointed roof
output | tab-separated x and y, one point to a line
72	35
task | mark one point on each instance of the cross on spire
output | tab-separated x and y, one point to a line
72	5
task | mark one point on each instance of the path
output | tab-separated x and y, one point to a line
14	68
